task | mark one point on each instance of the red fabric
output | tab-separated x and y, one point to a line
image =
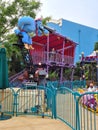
55	41
90	58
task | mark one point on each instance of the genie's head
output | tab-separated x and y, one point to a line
38	23
27	24
39	27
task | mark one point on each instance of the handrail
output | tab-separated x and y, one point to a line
12	78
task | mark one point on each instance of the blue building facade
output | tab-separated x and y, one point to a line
84	36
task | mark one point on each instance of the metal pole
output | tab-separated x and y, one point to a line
61	75
48	48
47	52
63	52
72	74
97	64
97	71
79	40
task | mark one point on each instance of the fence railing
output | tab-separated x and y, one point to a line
7	101
41	56
66	106
77	108
88	111
28	100
73	85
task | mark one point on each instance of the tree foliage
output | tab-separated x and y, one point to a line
96	46
90	68
10	13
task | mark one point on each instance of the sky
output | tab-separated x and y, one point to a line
84	12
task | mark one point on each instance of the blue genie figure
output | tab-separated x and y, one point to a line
26	25
39	27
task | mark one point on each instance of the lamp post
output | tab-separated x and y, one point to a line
97	71
79	31
82	66
97	64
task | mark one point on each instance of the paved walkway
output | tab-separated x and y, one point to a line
32	123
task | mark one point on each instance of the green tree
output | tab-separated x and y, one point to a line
89	68
9	15
96	46
45	20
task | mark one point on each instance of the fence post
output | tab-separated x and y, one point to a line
84	83
15	102
54	104
4	83
77	116
76	96
72	85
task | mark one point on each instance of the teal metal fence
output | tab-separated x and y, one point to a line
78	110
30	100
74	85
35	101
66	106
88	111
7	101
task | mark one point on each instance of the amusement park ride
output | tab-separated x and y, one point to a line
51	50
90	59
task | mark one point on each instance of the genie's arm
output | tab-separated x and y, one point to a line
26	38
